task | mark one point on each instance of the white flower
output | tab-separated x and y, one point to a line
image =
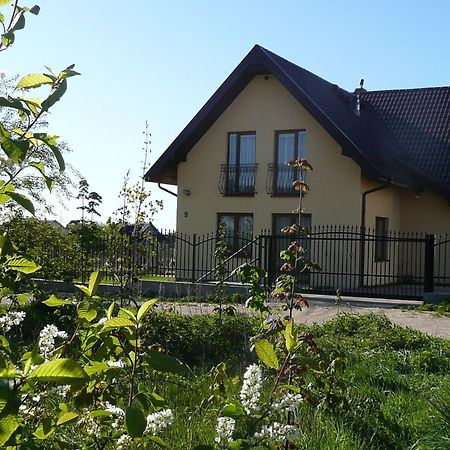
224	431
291	402
89	424
124	442
117	412
120	364
36	398
159	420
61	391
10	319
251	388
275	433
47	340
101	322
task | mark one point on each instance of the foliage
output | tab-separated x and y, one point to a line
32	237
203	341
441	309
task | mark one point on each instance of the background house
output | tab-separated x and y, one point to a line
381	159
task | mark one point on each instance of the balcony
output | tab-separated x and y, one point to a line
280	178
237	179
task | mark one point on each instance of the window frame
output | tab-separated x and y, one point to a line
276	191
235	190
381	251
235	245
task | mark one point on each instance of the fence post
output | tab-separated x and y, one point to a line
194	248
429	263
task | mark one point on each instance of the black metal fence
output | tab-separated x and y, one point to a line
358	262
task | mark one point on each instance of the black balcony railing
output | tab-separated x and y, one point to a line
280	178
237	179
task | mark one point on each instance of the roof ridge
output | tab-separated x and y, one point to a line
407	89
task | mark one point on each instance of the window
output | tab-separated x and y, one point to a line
238	231
240	170
381	242
289	145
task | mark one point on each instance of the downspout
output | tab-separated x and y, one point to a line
167	190
362	246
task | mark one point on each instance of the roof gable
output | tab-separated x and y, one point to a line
373	144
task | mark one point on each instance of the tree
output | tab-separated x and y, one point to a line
26	149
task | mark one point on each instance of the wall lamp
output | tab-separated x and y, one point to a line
186	191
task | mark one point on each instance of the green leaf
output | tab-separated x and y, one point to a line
135	421
21	264
8	421
23	201
85	311
165	363
94	282
291	338
239	444
96	367
159	441
8	38
24	298
4	342
145	307
54	301
63	371
20	23
13	103
67	418
156	400
83	289
35	10
266	353
205	447
52	142
69	72
45	429
33	80
100	413
55	96
15	149
232	410
118	322
41	168
110	310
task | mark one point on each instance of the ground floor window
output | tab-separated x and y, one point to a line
381	242
238	231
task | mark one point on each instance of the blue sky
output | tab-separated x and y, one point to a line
161	60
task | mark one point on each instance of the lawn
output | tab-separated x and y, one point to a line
390	390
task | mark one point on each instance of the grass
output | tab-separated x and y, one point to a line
440	309
394	381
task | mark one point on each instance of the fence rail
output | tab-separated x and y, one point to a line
356	261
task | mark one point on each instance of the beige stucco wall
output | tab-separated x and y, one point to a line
430	213
265	106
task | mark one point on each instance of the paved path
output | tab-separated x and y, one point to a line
423	321
320	312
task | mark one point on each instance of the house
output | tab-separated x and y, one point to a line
381	159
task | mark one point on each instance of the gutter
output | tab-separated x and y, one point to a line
167	190
362	246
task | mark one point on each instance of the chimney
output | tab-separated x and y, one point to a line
357	93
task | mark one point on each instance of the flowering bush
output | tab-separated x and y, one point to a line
91	379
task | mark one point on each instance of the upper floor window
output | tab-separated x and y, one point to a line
239	174
289	145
